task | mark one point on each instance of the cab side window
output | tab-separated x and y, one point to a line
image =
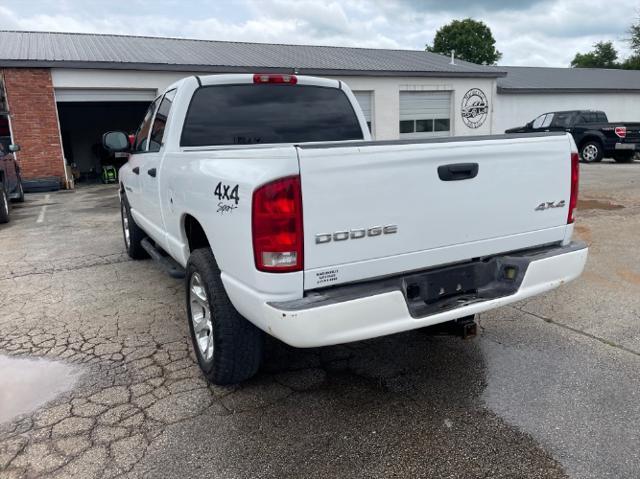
140	143
589	117
547	121
160	122
561	120
537	123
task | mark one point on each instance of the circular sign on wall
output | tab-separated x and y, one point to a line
475	108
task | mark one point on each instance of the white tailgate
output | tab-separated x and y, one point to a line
438	222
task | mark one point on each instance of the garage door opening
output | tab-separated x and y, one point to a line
425	114
82	125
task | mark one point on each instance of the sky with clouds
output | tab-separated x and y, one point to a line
527	32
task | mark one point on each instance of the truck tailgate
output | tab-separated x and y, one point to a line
350	193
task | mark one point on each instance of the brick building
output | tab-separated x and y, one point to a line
34	120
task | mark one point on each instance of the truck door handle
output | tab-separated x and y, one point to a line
152	172
136	170
458	171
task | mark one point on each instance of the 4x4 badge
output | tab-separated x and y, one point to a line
550	204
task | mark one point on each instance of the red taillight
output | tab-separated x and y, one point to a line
575	174
277	226
271	78
621	131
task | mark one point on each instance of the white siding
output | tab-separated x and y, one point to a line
516	109
385	111
365	100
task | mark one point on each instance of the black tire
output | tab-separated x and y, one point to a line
4	204
136	234
591	152
20	190
237	343
626	157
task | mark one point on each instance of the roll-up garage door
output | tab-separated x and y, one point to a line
365	100
103	94
424	114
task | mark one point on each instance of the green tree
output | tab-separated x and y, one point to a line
472	41
603	55
634	40
631	63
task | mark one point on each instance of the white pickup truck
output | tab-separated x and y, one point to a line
267	194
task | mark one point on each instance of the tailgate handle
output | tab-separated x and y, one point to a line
458	171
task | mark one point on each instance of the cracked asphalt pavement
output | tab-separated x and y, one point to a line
550	388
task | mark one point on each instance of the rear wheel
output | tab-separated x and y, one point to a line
132	233
228	347
20	191
591	152
4	204
624	157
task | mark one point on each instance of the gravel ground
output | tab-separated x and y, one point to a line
550	388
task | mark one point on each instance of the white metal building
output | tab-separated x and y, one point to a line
526	92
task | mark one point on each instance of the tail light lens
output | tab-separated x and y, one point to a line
277	226
621	131
270	78
575	174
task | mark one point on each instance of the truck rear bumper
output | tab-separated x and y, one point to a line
352	313
627	146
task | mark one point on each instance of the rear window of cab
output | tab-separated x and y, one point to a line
269	113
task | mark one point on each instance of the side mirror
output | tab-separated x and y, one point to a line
14	148
114	141
529	125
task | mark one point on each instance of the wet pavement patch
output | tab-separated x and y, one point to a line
596	204
29	383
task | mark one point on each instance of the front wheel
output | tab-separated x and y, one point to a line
132	233
228	347
4	204
591	152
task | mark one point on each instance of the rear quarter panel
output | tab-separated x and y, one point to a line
188	187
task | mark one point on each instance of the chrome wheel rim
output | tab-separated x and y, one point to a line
201	316
125	227
590	153
5	201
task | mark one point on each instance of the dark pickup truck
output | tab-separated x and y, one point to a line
595	137
10	181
